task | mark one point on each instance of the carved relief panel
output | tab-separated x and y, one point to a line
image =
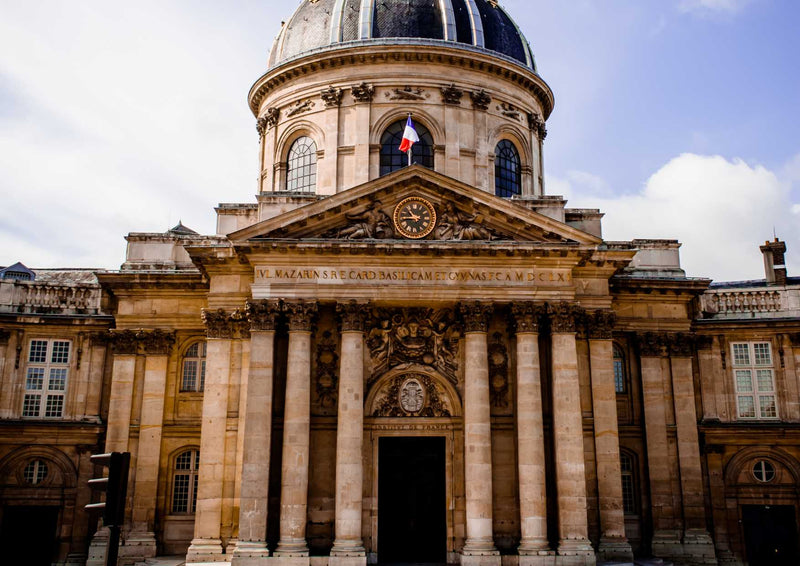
411	394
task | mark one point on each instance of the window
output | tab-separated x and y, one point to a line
763	471
392	159
755	380
184	483
301	166
35	472
46	379
507	170
620	373
193	368
628	484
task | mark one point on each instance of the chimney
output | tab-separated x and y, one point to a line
774	262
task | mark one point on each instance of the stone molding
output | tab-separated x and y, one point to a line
263	315
527	316
226	325
480	100
563	317
332	96
362	92
353	315
300	315
452	95
476	316
600	325
157	342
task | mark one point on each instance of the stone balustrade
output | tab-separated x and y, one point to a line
740	303
34	297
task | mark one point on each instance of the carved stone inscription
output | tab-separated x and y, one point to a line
414	336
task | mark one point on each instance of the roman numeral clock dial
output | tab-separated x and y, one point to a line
414	217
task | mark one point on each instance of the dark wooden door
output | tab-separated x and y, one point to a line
412	507
28	535
770	533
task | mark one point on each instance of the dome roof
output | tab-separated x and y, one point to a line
480	25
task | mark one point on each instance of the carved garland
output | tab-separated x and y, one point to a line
327	372
498	371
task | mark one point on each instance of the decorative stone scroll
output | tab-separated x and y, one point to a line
157	342
327	382
536	124
411	395
600	324
455	225
353	316
362	92
124	342
498	371
300	107
300	314
476	316
332	97
263	315
480	100
407	93
414	336
563	317
452	95
527	316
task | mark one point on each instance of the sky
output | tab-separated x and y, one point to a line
677	118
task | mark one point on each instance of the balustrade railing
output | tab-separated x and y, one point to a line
45	297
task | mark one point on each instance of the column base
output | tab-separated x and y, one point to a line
250	554
575	552
292	548
481	559
347	559
284	560
542	558
138	547
615	550
534	547
698	547
667	544
205	550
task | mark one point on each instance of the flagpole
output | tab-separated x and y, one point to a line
409	149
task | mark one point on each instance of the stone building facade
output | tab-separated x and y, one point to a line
440	362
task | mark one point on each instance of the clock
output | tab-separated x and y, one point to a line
414	217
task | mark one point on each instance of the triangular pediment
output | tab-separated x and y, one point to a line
374	211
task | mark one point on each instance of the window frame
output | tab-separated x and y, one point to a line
633	475
308	170
755	371
199	380
192	474
619	360
50	369
499	160
390	139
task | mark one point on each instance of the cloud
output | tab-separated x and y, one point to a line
712	7
721	210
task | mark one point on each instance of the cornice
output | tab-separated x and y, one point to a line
392	53
628	285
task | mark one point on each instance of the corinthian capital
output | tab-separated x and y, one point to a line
527	316
651	344
224	324
352	315
263	315
300	314
601	324
563	317
124	342
476	316
157	342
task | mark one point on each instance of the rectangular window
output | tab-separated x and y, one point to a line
46	379
755	380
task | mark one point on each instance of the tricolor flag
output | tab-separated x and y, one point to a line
410	136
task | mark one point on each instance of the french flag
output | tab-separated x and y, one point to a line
410	136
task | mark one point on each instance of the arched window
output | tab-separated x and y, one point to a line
184	482
301	166
628	470
193	368
620	371
392	159
507	170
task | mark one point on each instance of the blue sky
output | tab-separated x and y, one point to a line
678	118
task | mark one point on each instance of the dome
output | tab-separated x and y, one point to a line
480	25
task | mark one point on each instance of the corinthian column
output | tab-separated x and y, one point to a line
207	543
613	543
479	547
534	547
296	431
157	345
349	438
568	436
252	543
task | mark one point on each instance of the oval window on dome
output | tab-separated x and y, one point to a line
392	159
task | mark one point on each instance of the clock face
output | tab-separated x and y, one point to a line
414	217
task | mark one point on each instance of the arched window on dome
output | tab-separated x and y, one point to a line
392	159
507	170
301	166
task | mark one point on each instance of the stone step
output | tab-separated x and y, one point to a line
653	562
